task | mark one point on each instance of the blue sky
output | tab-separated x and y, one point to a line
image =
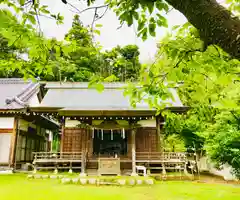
110	36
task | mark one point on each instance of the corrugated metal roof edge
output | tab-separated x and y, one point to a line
85	85
16	80
81	85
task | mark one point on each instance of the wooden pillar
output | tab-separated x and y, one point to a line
13	146
133	134
62	134
160	147
83	163
84	137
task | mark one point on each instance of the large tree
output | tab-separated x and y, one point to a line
208	82
87	56
122	62
216	24
77	58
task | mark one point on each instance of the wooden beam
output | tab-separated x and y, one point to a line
62	135
6	130
83	153
13	145
110	113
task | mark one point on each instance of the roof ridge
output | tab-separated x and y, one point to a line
30	91
24	90
24	95
13	81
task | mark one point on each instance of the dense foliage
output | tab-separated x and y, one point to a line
223	140
77	58
185	129
174	143
208	82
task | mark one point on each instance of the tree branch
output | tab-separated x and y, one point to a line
121	25
38	21
94	17
74	7
101	16
93	8
219	55
215	24
235	116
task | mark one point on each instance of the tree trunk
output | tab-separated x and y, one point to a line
215	23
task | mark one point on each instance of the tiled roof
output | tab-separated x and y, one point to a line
17	93
77	96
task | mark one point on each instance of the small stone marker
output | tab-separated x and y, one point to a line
66	180
149	182
121	182
30	176
82	174
55	171
37	176
139	182
45	176
164	177
92	181
53	177
98	182
8	171
75	180
131	182
60	176
83	181
158	178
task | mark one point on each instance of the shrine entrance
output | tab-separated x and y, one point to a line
110	143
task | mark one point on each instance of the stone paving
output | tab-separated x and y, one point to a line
120	181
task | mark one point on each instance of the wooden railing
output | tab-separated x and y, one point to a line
160	156
79	156
57	156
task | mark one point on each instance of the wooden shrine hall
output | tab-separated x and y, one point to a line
102	133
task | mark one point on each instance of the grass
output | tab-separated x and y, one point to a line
17	187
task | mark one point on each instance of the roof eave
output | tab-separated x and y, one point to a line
87	113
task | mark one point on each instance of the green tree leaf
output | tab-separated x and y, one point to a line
21	2
45	11
162	21
111	78
97	31
31	18
99	87
140	25
99	25
129	20
151	29
150	7
161	5
135	15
